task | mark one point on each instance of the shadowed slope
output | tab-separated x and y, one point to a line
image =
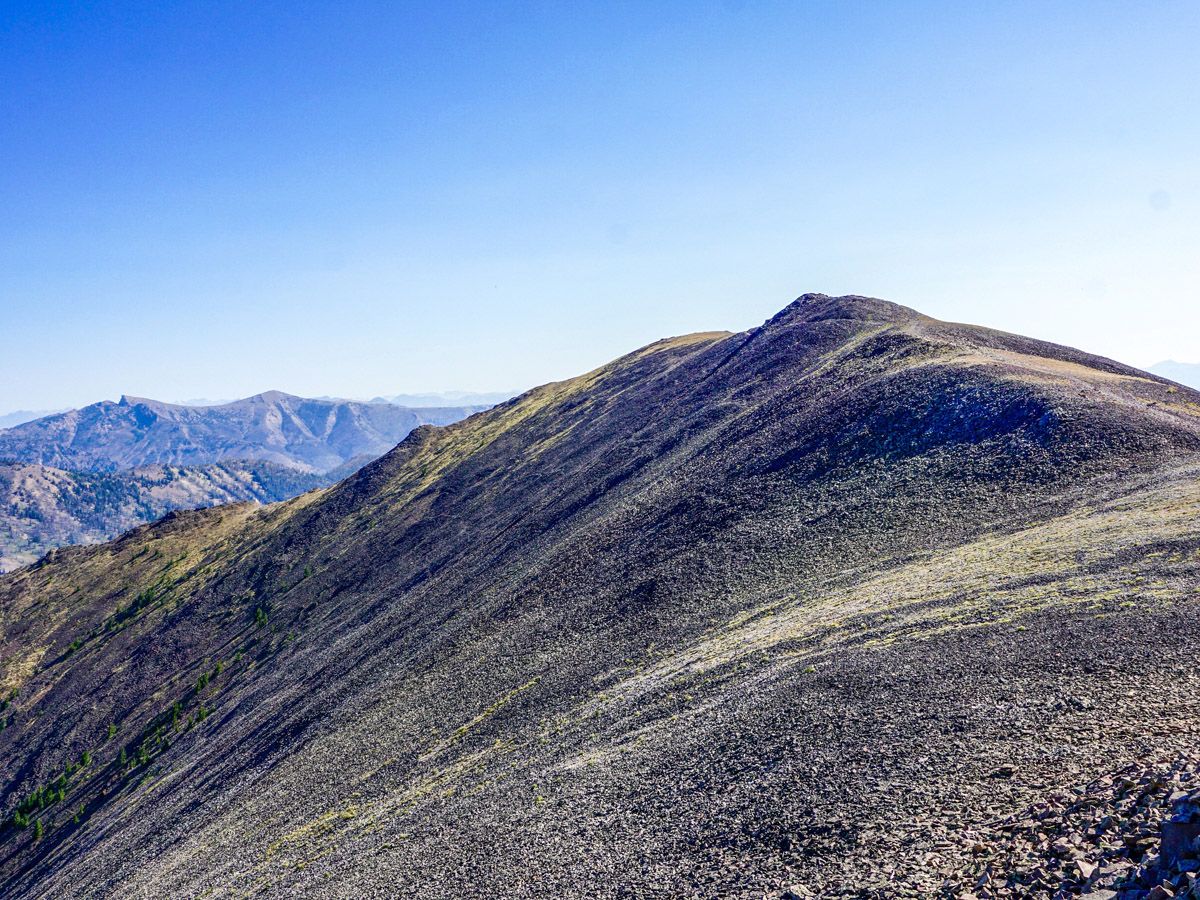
679	623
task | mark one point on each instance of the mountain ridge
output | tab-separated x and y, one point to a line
313	435
729	613
267	447
20	416
43	508
447	398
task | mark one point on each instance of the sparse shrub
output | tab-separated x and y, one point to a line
140	602
33	802
143	599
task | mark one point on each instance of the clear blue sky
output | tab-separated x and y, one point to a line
213	199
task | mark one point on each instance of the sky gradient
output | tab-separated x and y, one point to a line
356	199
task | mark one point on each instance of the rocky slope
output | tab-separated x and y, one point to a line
312	435
42	508
811	610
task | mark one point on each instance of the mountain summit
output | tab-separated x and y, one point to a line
823	608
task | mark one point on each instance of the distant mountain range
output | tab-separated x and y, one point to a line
1184	373
88	474
312	435
448	398
42	508
16	417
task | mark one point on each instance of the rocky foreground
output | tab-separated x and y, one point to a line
1134	833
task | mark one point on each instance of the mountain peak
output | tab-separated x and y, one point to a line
128	400
269	397
823	307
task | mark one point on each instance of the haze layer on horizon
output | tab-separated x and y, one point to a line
357	199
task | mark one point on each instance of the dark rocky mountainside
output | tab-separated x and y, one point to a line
42	508
844	605
313	435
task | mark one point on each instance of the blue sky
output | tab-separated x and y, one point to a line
214	199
